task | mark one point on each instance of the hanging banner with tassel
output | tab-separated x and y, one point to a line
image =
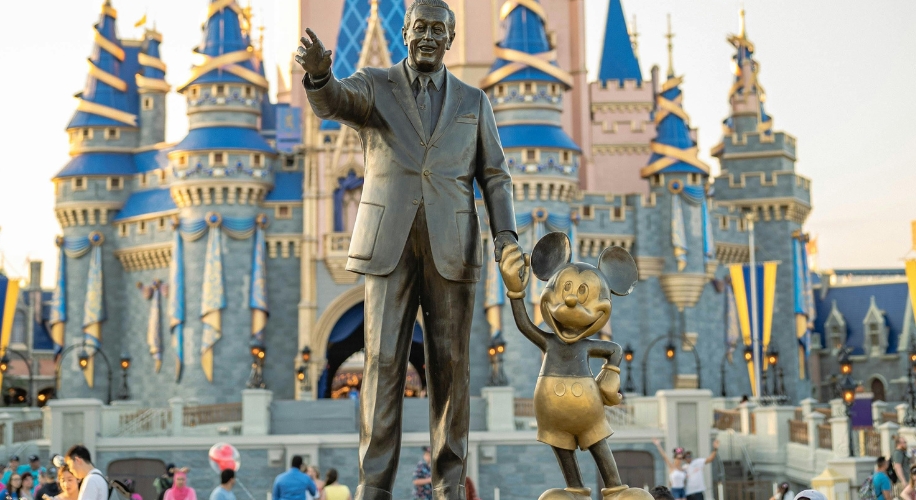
678	233
153	326
94	308
176	298
9	296
765	296
58	320
213	298
911	273
804	300
258	299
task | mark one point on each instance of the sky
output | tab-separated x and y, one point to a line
838	74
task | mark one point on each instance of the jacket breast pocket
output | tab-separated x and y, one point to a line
469	237
365	230
466	119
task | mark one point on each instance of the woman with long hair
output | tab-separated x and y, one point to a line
909	493
180	489
14	487
677	477
334	490
69	485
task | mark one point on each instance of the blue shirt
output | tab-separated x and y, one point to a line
880	483
292	485
220	493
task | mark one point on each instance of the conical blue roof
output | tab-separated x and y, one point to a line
525	34
618	61
352	34
223	38
151	45
104	102
673	150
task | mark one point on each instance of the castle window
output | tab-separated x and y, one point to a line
693	179
78	184
587	212
529	88
148	103
283	212
182	161
161	173
256	160
248	91
531	155
554	89
112	133
123	230
114	183
217	159
566	156
144	180
723	223
219	89
657	180
742	224
161	225
289	163
618	213
141	227
87	133
499	91
194	92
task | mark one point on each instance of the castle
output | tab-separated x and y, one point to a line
192	256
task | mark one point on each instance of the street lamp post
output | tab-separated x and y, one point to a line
629	386
773	362
302	374
497	374
124	393
5	364
909	420
83	358
848	387
258	353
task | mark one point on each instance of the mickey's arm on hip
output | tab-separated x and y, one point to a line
606	349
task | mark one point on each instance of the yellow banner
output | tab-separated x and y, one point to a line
911	281
769	301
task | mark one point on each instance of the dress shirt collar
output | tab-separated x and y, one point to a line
437	78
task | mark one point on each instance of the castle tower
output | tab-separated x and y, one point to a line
527	95
89	191
222	171
620	127
758	180
153	89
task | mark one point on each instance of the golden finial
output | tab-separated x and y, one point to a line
741	32
634	38
373	8
670	37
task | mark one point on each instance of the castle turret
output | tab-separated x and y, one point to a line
153	89
526	88
759	181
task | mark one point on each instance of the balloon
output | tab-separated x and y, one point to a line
224	456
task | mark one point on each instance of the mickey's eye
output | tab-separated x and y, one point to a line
582	292
568	286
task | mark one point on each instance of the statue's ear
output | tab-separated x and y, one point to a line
550	253
619	268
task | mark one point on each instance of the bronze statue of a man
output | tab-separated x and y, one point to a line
427	138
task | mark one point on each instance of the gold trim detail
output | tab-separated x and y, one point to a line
104	76
152	84
227	62
219	5
519	60
533	6
110	11
109	46
102	110
152	62
671	156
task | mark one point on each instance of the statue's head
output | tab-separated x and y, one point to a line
576	301
429	29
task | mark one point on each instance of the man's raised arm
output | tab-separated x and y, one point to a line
348	101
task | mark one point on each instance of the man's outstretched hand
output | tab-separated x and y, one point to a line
311	55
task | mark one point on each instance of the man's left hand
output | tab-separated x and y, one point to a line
503	238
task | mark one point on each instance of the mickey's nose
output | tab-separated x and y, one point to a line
571	301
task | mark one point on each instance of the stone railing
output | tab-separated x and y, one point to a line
194	416
27	430
726	419
798	432
524	407
824	437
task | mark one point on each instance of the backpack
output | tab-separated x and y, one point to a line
891	473
115	486
867	490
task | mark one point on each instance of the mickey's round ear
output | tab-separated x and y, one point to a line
619	268
549	254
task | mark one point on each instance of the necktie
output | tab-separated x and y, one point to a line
424	105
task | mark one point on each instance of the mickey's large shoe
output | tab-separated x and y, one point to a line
624	492
566	494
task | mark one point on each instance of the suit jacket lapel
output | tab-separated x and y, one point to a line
400	87
453	96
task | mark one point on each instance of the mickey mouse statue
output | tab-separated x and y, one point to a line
568	402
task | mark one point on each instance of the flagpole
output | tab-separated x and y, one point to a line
755	334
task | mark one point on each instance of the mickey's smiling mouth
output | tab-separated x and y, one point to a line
574	323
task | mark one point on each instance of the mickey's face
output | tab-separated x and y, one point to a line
576	302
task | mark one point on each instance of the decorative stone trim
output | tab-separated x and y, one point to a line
622	107
620	149
85	213
145	257
686	381
336	248
767	209
283	245
591	245
544	189
218	194
711	267
683	289
649	267
689	341
732	253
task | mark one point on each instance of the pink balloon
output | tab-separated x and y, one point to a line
224	456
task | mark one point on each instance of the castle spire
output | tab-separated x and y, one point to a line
634	38
746	95
670	37
226	50
618	57
104	100
525	53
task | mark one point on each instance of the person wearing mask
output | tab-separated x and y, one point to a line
49	487
69	485
695	486
224	490
14	487
783	492
12	467
164	481
93	485
909	492
28	485
294	484
677	478
334	490
180	489
880	482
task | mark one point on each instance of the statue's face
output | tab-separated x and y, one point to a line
427	38
576	302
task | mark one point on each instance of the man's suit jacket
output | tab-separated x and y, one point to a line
403	169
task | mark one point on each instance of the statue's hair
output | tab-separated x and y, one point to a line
430	3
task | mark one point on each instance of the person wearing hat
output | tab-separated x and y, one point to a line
10	469
164	482
34	466
423	478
